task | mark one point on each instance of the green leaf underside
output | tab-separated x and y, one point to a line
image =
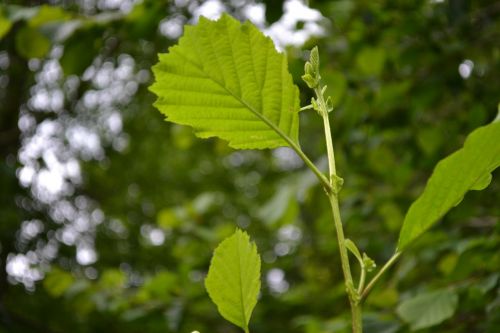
467	169
233	280
428	309
226	79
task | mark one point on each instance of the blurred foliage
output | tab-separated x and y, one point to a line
409	80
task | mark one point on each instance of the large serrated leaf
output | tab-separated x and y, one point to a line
226	79
428	309
233	280
467	169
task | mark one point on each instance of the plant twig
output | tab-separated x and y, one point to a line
362	278
333	196
384	268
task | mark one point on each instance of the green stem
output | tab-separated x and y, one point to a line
357	322
384	268
344	259
291	142
340	238
328	133
333	196
362	278
321	177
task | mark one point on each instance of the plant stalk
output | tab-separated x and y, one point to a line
328	134
357	318
362	278
357	325
344	259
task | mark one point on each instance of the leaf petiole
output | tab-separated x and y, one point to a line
384	268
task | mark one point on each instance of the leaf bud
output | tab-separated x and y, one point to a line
369	263
314	58
329	104
308	68
314	104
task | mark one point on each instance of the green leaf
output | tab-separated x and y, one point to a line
428	309
314	59
5	25
310	81
30	43
349	244
233	280
80	50
329	104
467	169
226	79
308	68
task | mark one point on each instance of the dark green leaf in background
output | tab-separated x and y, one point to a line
5	25
30	43
428	309
79	51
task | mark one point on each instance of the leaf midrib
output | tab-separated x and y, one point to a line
241	287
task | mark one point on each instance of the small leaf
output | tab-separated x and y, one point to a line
233	280
467	169
310	81
329	104
354	250
428	309
226	79
337	183
315	104
308	69
314	58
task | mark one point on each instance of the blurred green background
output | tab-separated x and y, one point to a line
109	215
